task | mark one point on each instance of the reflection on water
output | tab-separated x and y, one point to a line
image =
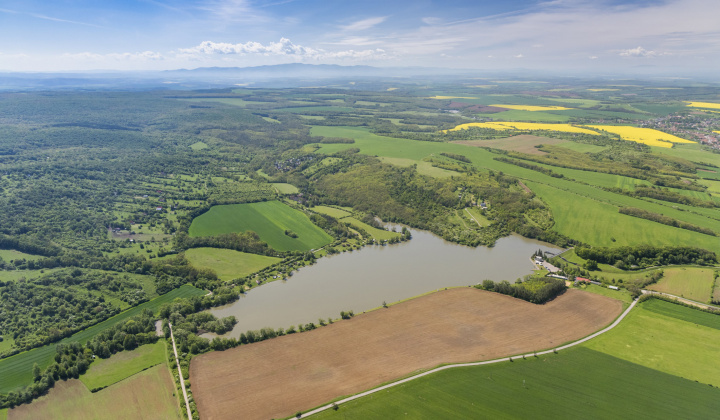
364	279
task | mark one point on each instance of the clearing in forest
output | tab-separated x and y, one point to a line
229	264
278	377
121	365
269	219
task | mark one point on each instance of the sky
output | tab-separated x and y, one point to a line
675	36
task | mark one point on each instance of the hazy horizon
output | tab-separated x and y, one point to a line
674	37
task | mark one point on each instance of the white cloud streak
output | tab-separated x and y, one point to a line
365	24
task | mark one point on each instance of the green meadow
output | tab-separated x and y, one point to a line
16	371
105	372
377	234
668	338
228	264
688	282
576	383
331	211
269	219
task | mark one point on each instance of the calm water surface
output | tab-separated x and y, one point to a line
362	280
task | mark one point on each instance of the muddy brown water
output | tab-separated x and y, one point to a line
364	279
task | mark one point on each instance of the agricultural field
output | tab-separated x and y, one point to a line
331	211
576	383
16	371
669	338
523	143
456	325
227	263
709	105
147	395
284	188
270	220
11	254
507	125
377	234
643	135
105	372
531	107
688	282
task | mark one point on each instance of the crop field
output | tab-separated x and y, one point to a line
691	152
576	383
532	107
692	283
599	223
105	372
269	219
582	147
643	135
296	372
520	115
523	143
508	125
672	343
331	211
146	395
227	263
16	371
710	105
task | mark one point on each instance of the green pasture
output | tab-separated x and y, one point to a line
16	371
682	313
14	275
576	383
475	216
269	219
3	413
674	344
302	109
582	147
688	282
146	395
423	167
7	343
105	372
10	254
331	211
597	223
692	152
284	188
227	263
377	234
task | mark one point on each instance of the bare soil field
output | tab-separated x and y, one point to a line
523	143
147	395
278	377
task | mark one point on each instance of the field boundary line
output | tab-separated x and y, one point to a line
182	380
459	365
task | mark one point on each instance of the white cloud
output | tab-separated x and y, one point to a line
519	56
284	47
637	52
364	24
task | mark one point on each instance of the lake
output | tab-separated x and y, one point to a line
364	279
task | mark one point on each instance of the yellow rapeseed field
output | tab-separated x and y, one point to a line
710	105
507	125
532	107
642	135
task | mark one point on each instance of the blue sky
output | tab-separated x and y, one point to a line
572	35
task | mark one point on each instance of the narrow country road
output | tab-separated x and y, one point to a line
488	362
182	381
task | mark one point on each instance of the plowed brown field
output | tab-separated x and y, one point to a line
278	377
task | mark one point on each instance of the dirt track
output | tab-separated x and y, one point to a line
278	377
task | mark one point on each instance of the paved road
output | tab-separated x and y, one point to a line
488	362
182	381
